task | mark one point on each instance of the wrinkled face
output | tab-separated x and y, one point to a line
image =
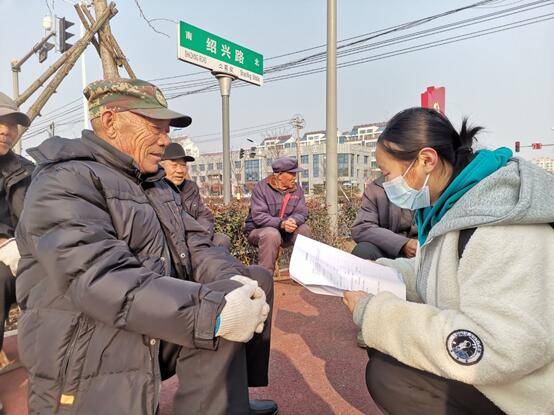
142	138
286	180
8	134
175	170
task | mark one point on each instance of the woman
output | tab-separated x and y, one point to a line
476	332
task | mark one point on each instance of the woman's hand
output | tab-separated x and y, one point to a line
351	298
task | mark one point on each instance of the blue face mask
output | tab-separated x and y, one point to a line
401	194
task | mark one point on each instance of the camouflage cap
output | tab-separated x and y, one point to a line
135	95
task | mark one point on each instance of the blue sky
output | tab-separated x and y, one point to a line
504	81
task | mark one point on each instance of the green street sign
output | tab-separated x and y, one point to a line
212	52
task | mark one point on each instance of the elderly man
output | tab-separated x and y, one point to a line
278	212
174	163
15	177
119	287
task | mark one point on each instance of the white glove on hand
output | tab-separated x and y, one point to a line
244	313
248	281
9	255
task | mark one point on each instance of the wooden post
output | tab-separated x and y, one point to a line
110	40
73	55
108	62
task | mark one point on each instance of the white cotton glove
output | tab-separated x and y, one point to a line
9	255
244	313
248	281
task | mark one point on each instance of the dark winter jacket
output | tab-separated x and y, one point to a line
193	204
108	259
15	178
266	205
378	221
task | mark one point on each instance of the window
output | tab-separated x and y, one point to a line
237	164
219	166
351	165
366	159
305	174
252	170
268	162
315	161
193	168
358	159
304	159
201	167
342	139
343	165
210	166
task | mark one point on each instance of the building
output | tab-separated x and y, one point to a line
546	163
356	161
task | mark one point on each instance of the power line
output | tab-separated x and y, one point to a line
428	45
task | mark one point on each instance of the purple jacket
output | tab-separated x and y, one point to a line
378	221
266	204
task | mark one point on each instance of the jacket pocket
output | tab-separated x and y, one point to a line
55	333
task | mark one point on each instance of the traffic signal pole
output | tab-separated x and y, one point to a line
16	68
225	89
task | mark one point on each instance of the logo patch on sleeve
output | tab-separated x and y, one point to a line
464	347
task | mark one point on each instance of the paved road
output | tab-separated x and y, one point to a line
316	367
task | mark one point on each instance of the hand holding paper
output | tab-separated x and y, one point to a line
326	270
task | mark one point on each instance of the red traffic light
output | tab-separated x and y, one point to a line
518	145
536	146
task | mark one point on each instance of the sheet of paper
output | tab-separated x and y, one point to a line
327	270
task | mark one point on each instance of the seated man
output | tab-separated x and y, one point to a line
278	212
174	163
381	228
119	288
15	177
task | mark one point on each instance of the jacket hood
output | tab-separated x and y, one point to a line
517	194
89	147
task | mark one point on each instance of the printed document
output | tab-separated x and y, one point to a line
326	270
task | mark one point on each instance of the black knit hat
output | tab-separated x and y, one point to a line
175	151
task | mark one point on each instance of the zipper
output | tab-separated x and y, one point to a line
68	354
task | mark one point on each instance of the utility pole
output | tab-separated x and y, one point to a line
16	68
108	61
84	77
225	89
52	129
331	150
297	123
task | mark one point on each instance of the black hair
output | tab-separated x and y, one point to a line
416	128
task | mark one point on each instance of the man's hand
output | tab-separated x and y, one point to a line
244	313
9	254
351	298
289	225
410	248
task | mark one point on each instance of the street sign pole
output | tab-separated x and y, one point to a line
225	89
227	61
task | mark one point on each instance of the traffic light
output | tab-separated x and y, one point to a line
63	34
518	144
252	152
241	153
536	146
